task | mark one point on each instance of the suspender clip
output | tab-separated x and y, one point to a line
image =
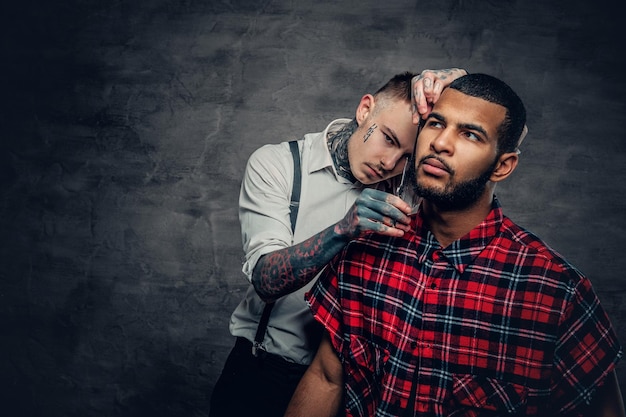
256	346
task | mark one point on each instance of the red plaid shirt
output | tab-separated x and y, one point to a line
495	324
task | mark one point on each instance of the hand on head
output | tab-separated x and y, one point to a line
427	87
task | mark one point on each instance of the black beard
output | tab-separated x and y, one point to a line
338	147
457	197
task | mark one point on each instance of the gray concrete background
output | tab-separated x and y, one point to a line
126	127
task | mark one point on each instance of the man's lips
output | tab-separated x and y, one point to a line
433	166
374	172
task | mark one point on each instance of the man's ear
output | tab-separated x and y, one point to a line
505	166
365	108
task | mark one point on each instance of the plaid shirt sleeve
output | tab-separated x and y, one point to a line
325	304
586	352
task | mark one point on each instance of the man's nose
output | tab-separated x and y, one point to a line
390	162
443	142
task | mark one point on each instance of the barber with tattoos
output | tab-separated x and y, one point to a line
346	172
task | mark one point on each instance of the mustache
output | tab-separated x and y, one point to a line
439	159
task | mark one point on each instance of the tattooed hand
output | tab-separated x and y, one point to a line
375	211
285	270
427	87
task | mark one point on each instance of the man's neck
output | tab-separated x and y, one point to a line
338	147
448	225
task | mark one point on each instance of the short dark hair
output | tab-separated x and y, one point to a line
398	87
497	91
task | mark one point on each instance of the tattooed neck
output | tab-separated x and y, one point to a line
338	147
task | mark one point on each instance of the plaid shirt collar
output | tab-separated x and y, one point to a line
463	251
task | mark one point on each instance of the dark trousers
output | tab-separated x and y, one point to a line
254	386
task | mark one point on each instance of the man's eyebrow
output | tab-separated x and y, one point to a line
467	126
392	134
437	116
477	128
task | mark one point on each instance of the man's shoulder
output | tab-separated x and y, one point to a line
271	149
373	246
273	154
281	149
529	245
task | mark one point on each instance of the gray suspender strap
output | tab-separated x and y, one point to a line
293	215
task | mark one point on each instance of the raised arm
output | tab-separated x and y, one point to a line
286	270
427	87
320	391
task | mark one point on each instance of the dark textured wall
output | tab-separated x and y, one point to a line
126	127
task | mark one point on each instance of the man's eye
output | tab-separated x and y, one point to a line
472	136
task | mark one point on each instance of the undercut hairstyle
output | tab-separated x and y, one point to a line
398	87
496	91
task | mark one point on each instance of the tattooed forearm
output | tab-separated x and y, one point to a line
286	270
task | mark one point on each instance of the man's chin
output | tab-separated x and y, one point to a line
424	190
